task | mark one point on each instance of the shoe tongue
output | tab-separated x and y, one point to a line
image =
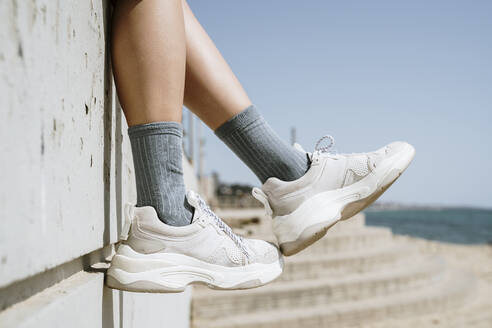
298	147
194	200
197	213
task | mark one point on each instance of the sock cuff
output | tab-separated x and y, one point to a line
154	128
240	121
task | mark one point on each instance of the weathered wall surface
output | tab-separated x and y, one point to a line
65	168
57	135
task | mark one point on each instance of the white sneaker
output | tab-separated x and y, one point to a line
157	258
336	187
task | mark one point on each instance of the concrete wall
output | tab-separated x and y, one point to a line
65	172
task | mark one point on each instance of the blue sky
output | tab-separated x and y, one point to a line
368	73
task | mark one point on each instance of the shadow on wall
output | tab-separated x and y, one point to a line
111	130
108	295
108	310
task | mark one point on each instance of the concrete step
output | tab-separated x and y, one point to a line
448	292
308	293
349	240
240	216
344	263
355	222
252	222
338	240
475	313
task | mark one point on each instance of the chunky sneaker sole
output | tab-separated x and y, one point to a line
171	273
312	219
155	257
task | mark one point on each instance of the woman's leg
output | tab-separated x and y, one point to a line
335	187
214	94
149	56
148	48
212	90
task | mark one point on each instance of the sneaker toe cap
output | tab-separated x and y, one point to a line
397	147
264	252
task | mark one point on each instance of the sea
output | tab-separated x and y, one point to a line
452	225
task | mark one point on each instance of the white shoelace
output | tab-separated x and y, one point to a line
324	149
328	151
238	240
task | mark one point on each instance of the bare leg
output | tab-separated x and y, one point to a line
149	56
212	90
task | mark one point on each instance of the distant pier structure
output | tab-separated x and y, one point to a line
293	135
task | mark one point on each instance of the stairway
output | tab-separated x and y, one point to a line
355	276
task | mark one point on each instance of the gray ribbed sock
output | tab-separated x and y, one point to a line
258	146
157	157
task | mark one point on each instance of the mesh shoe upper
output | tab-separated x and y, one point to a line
262	251
328	171
207	238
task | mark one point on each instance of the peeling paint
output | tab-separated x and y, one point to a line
34	14
42	138
43	12
69	28
57	21
15	8
69	186
20	51
60	216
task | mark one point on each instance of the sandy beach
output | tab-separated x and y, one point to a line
477	311
360	276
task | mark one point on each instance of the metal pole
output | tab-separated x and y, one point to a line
293	135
